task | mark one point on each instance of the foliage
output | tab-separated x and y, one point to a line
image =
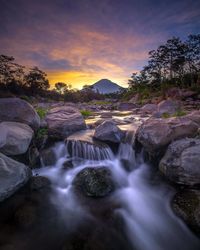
174	63
41	112
41	133
86	113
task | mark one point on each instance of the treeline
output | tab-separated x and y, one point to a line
16	79
175	63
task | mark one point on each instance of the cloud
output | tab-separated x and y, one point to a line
82	41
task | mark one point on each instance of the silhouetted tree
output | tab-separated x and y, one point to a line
36	80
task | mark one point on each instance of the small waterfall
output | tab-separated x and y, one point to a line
126	151
88	151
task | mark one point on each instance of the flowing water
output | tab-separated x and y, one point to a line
149	221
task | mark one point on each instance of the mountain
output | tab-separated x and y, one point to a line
105	86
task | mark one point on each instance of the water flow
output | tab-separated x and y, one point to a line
150	222
88	151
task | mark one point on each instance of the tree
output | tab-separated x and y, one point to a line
36	80
10	71
62	87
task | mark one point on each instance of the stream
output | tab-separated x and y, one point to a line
142	198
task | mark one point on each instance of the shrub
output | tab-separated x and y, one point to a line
41	112
86	113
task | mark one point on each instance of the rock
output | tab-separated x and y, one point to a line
156	134
94	181
13	175
181	162
17	137
126	106
83	146
149	108
108	131
18	110
186	204
168	107
194	116
48	157
39	182
63	121
26	216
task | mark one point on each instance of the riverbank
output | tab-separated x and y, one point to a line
120	168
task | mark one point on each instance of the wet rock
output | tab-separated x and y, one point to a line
181	162
168	107
108	131
16	138
13	175
94	181
67	165
48	156
63	121
39	182
186	204
18	110
155	134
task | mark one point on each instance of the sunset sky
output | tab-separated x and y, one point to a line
82	41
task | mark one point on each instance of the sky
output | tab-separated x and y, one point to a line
82	41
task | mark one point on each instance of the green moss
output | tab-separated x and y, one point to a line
86	113
41	133
165	115
179	113
41	112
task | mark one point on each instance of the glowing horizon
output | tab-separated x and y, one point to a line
81	42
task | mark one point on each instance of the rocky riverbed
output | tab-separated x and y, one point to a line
72	183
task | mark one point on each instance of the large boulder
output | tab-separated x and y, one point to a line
18	110
168	107
108	131
123	106
156	134
186	204
63	121
181	162
194	116
13	175
149	108
15	138
94	181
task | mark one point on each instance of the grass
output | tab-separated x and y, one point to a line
41	112
178	113
86	113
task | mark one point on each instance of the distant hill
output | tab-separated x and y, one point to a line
105	86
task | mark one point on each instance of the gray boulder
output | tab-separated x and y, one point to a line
18	110
149	108
155	134
94	181
13	175
168	107
181	162
15	138
108	131
63	121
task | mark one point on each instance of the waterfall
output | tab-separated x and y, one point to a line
88	151
126	151
150	223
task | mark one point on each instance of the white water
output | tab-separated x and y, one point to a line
150	222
